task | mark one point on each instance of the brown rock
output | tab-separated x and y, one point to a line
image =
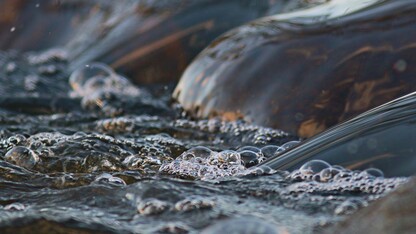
306	71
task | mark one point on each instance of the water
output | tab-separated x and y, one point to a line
89	150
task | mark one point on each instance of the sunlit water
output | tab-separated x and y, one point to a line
90	150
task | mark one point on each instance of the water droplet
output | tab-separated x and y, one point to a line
328	174
249	158
109	179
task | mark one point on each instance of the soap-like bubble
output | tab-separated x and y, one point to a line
328	174
249	158
152	206
99	77
109	179
374	172
269	151
286	146
22	156
251	148
229	157
313	166
198	151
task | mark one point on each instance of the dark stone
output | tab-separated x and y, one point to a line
306	71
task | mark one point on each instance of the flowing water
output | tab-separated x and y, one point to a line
89	151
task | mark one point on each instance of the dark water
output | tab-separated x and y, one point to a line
89	150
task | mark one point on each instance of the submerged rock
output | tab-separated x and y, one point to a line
394	213
382	138
150	41
308	70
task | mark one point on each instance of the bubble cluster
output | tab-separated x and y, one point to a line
203	163
100	87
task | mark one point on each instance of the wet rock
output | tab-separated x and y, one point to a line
308	70
394	213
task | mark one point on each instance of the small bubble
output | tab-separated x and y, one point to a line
198	151
328	174
15	207
152	206
109	179
249	158
313	167
286	146
22	156
400	65
251	148
374	172
269	150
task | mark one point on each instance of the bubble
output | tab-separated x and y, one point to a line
198	151
22	156
250	148
229	157
313	167
249	158
152	206
15	207
99	77
269	150
194	203
16	139
374	172
328	174
286	146
109	179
